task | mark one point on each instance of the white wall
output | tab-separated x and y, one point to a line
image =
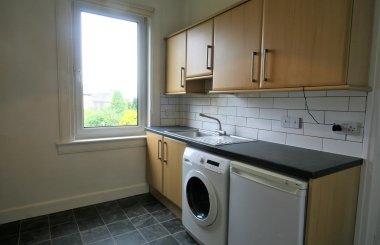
34	179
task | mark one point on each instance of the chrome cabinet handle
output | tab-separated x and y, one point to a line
209	58
165	153
159	147
265	64
253	67
182	77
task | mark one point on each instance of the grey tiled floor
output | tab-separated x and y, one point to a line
134	220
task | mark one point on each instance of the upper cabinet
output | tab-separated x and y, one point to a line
305	43
237	44
176	63
199	58
282	45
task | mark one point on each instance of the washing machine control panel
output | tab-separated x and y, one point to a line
207	160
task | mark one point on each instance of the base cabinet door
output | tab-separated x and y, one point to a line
154	163
164	166
305	43
172	170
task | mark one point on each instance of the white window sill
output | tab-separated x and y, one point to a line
102	144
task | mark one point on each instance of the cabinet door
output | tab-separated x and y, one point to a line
154	163
237	42
307	42
176	62
200	50
173	153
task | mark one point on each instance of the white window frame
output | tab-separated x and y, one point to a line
101	132
69	141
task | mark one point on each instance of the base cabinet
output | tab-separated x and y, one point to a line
164	166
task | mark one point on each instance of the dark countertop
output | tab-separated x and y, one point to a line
294	161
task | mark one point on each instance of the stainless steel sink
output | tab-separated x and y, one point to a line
211	138
194	133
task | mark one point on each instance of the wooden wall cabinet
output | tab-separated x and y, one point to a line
176	63
308	43
164	166
237	41
199	52
286	45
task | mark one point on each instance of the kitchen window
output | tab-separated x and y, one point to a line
110	49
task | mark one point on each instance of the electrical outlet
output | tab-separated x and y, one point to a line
290	122
350	128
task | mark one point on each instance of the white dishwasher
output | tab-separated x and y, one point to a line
266	208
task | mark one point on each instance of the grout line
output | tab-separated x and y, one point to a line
109	232
19	233
75	221
49	227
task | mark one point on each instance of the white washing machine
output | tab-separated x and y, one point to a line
205	196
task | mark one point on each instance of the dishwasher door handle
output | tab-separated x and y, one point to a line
284	187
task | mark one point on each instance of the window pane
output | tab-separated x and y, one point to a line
109	71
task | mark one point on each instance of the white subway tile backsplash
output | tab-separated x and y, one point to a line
274	94
195	108
328	103
173	100
259	123
248	112
321	130
193	123
258	115
249	95
275	114
308	142
305	116
308	94
210	109
239	121
179	121
289	103
246	132
357	104
188	115
185	108
260	102
219	101
240	102
332	116
210	125
168	122
228	111
275	137
168	108
230	129
164	100
343	147
200	101
346	93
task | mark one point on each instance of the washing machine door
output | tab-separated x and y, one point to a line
201	198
